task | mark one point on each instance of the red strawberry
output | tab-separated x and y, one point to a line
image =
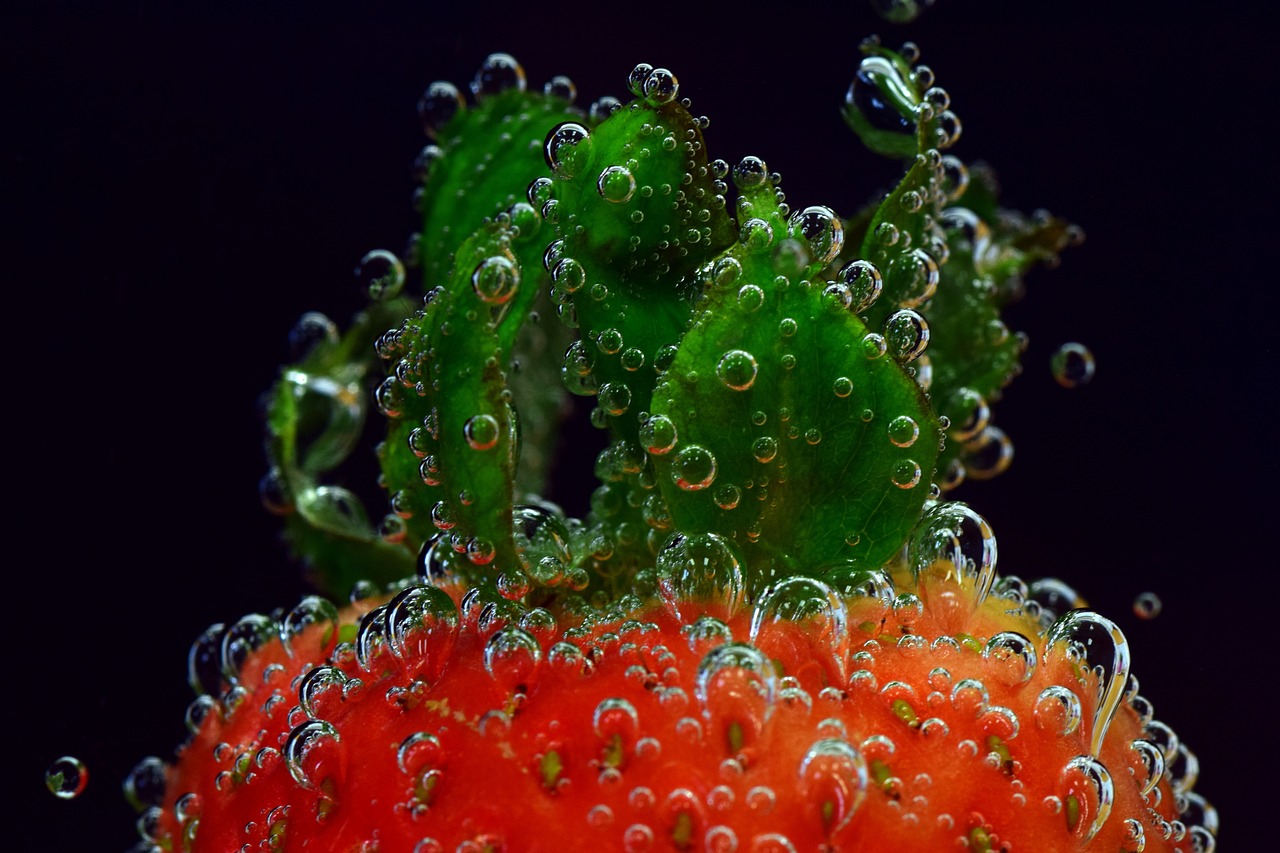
855	722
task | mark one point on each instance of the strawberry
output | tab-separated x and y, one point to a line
770	632
861	721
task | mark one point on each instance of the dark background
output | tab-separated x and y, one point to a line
180	185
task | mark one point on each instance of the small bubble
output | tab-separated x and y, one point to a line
481	432
312	330
822	231
616	184
864	282
750	297
764	448
658	435
614	398
561	87
567	148
512	658
737	369
496	279
906	334
381	275
750	173
1072	365
700	568
903	431
727	496
694	468
1147	605
66	777
906	474
499	72
660	87
440	103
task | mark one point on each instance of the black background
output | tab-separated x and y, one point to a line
181	184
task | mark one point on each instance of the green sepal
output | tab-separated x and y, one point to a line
449	460
796	463
638	211
315	415
486	156
975	356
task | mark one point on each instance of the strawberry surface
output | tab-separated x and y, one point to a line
864	722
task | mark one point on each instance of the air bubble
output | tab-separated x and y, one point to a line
660	87
876	92
1087	784
561	87
658	435
244	638
614	398
604	107
727	496
496	279
833	782
952	554
700	569
913	277
312	330
616	184
512	658
756	234
906	334
1147	605
499	72
823	233
736	686
1072	365
422	627
864	282
567	148
314	755
750	298
764	449
1153	763
312	610
1014	656
381	275
751	173
438	104
906	474
989	454
693	468
903	431
66	778
737	369
1057	710
482	432
1097	645
807	602
145	784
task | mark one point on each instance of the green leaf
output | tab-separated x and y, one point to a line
316	412
783	423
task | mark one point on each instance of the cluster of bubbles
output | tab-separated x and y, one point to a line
863	621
